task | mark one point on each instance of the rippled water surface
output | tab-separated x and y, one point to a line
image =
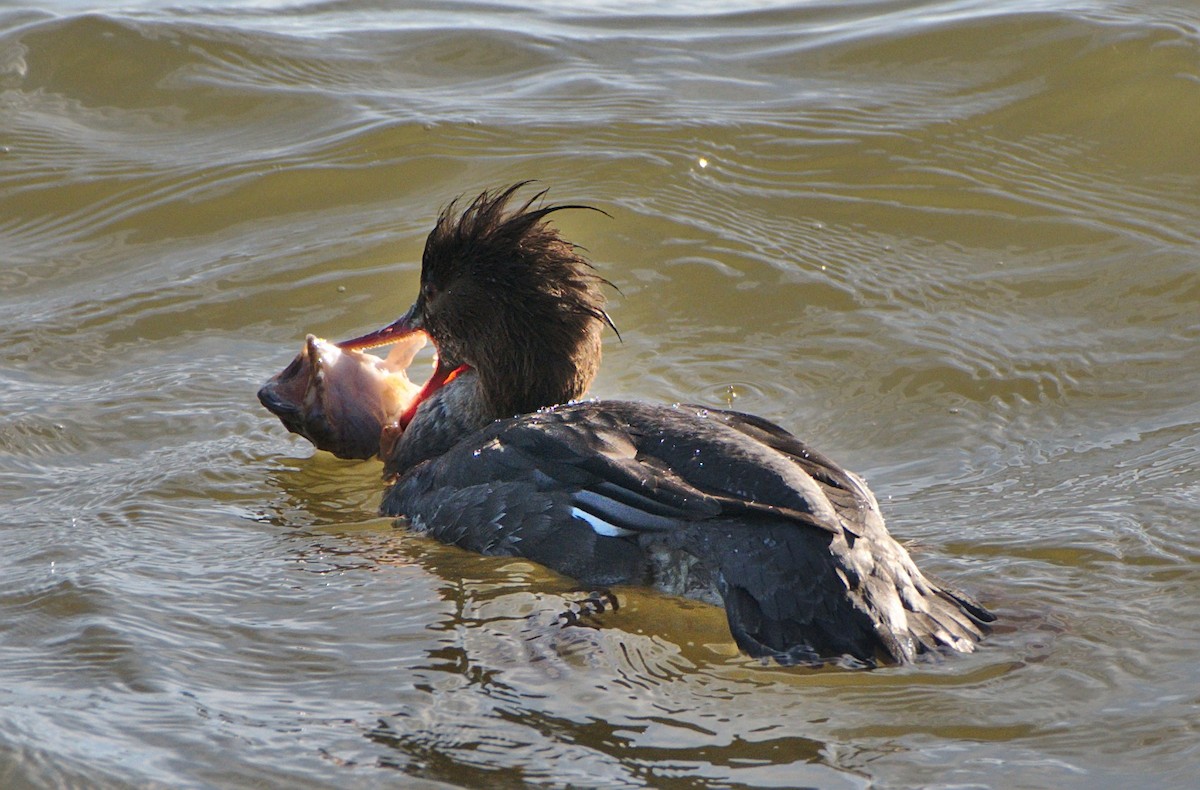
955	245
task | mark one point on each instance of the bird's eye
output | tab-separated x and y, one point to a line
429	291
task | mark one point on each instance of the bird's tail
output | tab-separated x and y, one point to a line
793	595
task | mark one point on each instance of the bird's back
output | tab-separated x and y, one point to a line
705	503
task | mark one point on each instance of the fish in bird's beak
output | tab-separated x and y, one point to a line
407	325
341	399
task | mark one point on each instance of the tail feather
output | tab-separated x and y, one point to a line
824	608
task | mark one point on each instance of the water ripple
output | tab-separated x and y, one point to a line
953	244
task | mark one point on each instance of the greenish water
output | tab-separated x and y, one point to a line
955	245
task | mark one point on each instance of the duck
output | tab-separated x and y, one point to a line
500	453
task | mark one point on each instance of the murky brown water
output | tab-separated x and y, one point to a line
954	245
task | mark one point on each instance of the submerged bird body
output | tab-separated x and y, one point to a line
715	505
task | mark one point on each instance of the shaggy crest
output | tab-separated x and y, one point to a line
512	247
503	292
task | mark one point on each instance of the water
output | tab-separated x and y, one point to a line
952	244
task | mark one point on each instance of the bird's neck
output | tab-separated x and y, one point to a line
480	395
555	367
440	422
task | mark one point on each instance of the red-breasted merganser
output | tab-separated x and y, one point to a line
496	455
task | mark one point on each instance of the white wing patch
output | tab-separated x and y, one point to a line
600	526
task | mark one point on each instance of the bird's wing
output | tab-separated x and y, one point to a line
628	468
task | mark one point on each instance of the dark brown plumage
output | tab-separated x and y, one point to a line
491	260
716	505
